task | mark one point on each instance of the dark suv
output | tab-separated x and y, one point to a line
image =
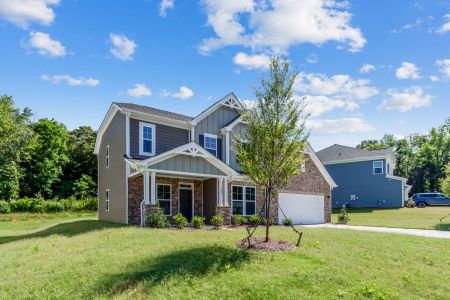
424	199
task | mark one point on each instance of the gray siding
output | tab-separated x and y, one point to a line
114	177
167	138
214	122
236	132
209	198
371	190
188	164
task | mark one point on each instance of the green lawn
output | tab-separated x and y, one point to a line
421	218
80	258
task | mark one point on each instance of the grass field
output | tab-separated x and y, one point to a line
420	218
77	257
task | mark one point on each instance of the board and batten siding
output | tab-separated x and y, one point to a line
357	178
188	164
237	132
167	138
113	178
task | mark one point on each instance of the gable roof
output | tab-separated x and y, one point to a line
340	154
229	100
320	166
153	111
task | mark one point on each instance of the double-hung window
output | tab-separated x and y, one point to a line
243	200
164	198
146	139
378	167
107	156
107	199
210	143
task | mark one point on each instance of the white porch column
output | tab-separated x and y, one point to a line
227	148
146	188
225	192
220	192
153	189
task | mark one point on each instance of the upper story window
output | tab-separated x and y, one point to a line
107	156
210	143
146	139
378	167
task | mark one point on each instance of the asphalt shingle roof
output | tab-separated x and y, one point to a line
154	111
339	152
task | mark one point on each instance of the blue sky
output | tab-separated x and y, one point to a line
366	67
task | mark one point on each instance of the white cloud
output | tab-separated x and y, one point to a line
407	71
366	68
249	104
317	105
24	12
122	47
45	45
339	86
251	62
405	100
434	78
279	24
164	6
139	90
446	26
183	93
80	81
312	59
444	66
338	126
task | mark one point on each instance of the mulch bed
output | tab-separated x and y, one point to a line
259	244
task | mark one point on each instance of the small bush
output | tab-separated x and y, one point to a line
157	219
53	206
217	221
271	221
180	221
4	207
410	203
254	220
288	222
343	217
238	220
198	222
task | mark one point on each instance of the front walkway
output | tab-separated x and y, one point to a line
419	232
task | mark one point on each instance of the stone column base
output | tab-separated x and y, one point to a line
225	212
146	210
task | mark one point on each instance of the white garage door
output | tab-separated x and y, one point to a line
301	208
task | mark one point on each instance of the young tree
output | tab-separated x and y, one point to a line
273	145
445	182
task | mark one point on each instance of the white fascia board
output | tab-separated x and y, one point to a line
105	123
157	119
228	128
216	105
320	166
397	178
355	160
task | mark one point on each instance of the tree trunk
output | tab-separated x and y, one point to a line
267	213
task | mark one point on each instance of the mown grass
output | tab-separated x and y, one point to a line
419	218
85	259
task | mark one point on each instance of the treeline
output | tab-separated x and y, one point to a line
422	158
43	160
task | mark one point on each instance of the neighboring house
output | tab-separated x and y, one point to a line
364	178
189	165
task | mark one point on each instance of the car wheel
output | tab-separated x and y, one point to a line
421	204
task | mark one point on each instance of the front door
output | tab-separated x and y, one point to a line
186	203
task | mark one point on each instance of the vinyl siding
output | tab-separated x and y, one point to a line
167	138
113	178
237	132
371	190
188	164
209	198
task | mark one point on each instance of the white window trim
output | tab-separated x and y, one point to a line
382	167
108	155
108	203
212	136
244	199
170	200
141	139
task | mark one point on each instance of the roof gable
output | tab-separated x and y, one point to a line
229	100
339	153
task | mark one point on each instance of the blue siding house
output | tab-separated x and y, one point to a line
364	178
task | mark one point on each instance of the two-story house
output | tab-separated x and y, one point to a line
188	165
364	178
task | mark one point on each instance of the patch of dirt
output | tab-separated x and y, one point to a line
259	244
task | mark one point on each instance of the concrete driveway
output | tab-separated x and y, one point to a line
418	232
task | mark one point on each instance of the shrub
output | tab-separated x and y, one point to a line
238	220
198	222
27	205
157	219
53	206
271	221
180	221
4	207
343	217
217	221
288	222
254	220
84	187
410	203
